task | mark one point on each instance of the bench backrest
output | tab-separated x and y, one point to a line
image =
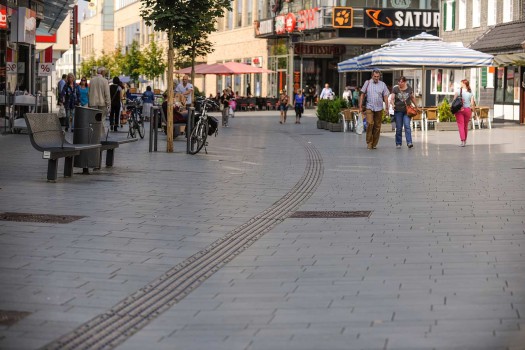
44	130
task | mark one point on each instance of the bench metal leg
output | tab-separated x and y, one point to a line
110	155
52	169
68	167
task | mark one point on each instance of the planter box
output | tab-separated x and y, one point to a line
320	124
335	127
325	125
448	126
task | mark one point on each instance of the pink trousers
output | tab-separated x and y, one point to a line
462	118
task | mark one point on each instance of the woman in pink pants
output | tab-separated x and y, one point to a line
465	113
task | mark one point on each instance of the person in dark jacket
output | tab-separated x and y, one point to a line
115	91
70	97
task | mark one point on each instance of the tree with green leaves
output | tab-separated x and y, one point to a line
152	62
188	24
131	62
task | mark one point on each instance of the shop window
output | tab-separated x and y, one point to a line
445	81
507	85
449	15
500	74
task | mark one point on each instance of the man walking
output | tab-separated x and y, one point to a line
99	97
375	92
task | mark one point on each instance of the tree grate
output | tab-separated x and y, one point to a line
9	318
42	218
331	214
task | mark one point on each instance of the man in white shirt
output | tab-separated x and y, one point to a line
186	89
327	93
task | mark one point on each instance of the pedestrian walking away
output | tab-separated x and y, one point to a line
147	102
114	114
99	97
465	113
283	106
376	93
298	104
402	94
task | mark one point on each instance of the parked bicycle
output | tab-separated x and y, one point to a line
205	126
135	120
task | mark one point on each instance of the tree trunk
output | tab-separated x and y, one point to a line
193	75
169	121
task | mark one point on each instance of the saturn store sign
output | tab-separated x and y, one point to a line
400	19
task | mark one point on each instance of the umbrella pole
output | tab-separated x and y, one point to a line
424	86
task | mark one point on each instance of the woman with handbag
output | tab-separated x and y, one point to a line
403	96
465	113
298	104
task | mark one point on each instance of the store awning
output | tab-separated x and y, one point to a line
505	41
55	11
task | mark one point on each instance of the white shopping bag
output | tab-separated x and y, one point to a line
360	126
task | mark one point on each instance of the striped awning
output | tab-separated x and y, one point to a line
423	50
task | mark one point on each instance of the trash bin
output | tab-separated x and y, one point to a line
88	124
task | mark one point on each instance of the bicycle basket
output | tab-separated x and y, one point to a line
213	124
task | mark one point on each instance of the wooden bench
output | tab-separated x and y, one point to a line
47	136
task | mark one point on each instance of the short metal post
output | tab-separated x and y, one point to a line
189	128
153	132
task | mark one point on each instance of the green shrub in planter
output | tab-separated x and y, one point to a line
444	112
386	118
322	109
328	110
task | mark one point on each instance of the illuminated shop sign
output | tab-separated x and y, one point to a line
319	50
304	20
400	19
3	17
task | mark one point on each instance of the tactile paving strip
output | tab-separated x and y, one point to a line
110	329
331	214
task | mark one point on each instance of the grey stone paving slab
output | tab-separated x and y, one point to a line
442	254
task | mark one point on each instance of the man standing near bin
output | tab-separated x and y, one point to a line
375	92
99	97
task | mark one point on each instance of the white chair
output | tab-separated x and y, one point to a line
479	115
418	119
431	116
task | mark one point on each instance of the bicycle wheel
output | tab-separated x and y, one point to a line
198	137
132	127
140	128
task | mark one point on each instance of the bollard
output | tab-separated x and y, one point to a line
189	127
153	128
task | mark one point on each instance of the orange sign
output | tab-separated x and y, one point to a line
342	17
375	17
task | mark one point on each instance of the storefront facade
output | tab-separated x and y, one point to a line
306	39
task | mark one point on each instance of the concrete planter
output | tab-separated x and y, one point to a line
335	127
320	124
447	126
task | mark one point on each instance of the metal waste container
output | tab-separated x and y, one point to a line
87	130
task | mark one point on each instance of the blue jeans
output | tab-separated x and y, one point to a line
402	119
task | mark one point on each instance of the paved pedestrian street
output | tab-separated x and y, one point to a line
281	237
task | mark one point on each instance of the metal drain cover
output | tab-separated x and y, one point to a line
43	218
9	318
331	214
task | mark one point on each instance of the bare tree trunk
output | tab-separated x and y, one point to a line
169	126
193	75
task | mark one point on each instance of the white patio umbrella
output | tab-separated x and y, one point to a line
423	51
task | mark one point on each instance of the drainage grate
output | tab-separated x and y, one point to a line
9	318
43	218
331	214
